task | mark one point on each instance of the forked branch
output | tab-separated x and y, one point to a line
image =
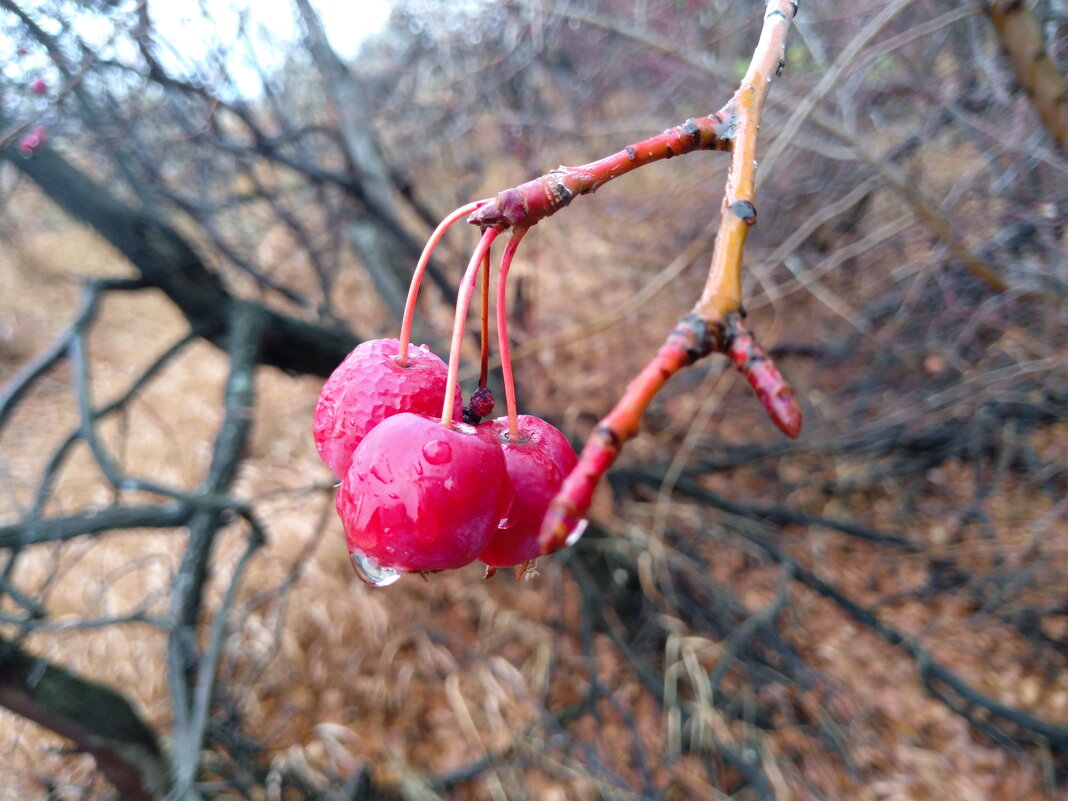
715	323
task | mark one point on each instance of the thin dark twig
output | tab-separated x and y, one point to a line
24	380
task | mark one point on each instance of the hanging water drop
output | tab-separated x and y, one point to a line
576	533
370	572
437	452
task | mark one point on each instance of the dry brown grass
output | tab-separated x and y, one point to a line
428	676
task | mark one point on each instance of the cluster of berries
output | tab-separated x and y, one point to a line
422	491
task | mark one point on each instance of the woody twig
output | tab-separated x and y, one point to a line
715	324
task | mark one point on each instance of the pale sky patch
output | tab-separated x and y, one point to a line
191	31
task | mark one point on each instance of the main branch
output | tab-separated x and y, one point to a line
99	720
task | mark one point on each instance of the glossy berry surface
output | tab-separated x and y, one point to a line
370	386
421	496
537	464
545	435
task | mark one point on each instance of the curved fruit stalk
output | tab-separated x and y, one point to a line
463	303
420	269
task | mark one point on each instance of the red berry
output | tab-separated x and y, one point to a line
537	464
535	479
421	496
39	87
370	386
31	141
539	432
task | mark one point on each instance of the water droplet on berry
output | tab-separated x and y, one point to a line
576	533
380	469
370	572
437	452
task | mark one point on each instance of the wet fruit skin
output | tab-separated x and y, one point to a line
422	496
369	386
537	464
539	432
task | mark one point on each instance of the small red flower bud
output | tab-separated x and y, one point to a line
31	141
481	403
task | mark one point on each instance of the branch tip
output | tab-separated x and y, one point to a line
774	393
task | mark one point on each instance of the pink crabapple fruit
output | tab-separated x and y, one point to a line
537	464
543	434
370	386
420	496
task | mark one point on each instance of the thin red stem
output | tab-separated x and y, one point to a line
463	303
484	368
420	268
502	331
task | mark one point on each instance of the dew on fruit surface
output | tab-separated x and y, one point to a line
380	469
437	451
370	572
576	533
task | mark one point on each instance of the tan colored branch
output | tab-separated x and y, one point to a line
723	290
1021	36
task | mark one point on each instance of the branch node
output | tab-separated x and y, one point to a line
745	211
697	336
